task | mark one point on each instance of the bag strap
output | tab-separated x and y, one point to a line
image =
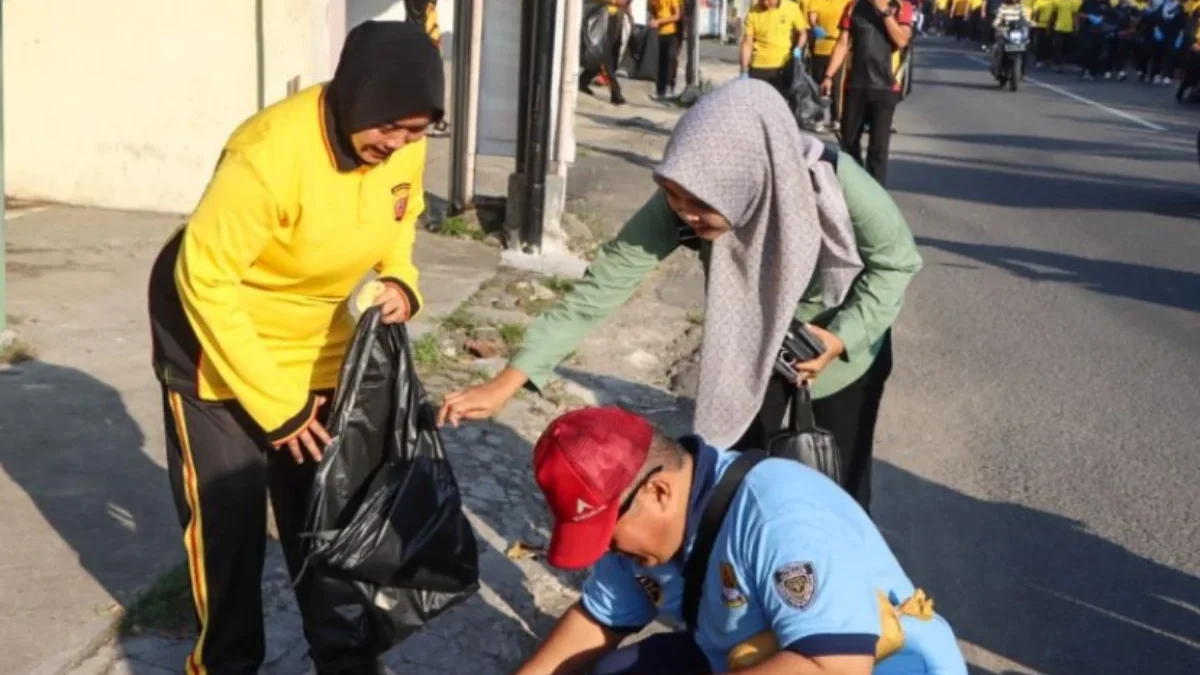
830	155
801	417
723	493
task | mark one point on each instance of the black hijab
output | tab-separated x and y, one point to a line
387	70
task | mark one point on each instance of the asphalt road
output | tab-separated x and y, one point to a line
1039	446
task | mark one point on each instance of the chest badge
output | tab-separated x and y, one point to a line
400	195
731	595
654	590
796	583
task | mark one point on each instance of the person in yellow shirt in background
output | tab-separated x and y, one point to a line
1039	13
434	31
959	11
666	15
941	17
1065	17
975	21
774	29
249	327
825	17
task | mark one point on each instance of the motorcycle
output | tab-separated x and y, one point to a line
1008	54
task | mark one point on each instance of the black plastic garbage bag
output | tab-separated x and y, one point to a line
804	96
593	40
804	441
386	512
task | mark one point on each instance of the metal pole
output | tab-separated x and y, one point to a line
693	45
569	87
528	17
537	156
459	95
3	214
471	133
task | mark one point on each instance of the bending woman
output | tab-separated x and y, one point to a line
250	325
783	235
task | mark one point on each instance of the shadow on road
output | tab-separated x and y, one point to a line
1156	285
1050	144
981	182
72	447
1037	588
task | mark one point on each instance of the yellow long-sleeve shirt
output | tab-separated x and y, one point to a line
284	232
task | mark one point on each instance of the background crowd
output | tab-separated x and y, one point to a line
1155	42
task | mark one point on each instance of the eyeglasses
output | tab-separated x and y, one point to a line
628	503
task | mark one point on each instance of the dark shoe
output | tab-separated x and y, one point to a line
618	99
585	89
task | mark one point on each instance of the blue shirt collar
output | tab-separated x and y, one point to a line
704	479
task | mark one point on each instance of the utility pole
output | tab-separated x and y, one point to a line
468	36
534	126
693	45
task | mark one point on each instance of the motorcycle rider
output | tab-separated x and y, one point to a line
1010	13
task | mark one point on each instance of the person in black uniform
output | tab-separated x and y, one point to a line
616	25
874	34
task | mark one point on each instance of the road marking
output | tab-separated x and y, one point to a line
1115	616
1082	99
13	215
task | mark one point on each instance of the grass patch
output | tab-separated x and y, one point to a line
166	608
461	227
512	334
559	285
695	318
427	352
17	351
460	319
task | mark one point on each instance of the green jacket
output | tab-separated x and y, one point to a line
889	255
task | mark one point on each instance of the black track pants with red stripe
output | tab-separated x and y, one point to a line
221	467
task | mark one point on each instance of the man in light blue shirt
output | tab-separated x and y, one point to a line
799	580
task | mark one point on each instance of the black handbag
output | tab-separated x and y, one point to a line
804	441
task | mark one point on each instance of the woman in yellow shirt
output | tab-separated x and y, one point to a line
249	325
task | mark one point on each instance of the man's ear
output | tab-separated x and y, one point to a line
663	491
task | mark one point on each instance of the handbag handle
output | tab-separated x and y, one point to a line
801	416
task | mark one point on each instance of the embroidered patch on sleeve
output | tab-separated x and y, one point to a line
796	583
731	593
400	199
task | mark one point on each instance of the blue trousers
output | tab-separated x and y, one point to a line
661	654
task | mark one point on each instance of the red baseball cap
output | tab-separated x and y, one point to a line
583	462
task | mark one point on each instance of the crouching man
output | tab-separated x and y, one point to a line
798	582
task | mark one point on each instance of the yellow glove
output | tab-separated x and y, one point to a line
760	647
891	635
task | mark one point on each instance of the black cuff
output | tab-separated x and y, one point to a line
296	424
835	644
620	630
414	305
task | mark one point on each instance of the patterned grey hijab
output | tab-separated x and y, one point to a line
740	150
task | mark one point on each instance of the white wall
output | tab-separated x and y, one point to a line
358	11
126	103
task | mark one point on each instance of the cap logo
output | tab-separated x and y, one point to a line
584	510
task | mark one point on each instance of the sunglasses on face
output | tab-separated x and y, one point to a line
628	503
